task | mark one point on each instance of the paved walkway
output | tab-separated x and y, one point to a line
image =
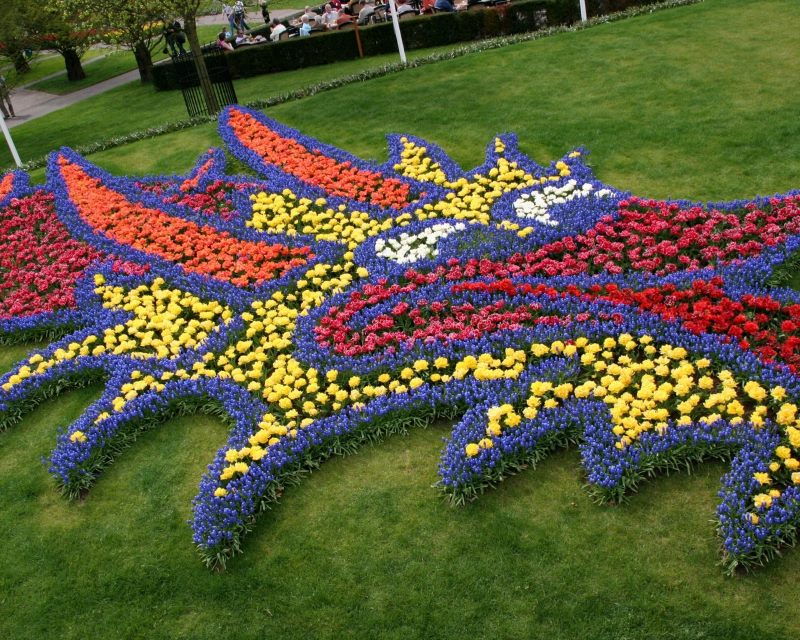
30	104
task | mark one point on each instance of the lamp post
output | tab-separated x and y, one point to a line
400	47
9	141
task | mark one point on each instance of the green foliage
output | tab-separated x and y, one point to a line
113	63
55	25
14	35
125	22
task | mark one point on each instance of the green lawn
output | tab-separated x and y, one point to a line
696	102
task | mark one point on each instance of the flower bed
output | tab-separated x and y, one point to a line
333	301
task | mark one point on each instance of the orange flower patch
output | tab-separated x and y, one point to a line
202	250
337	178
6	185
191	183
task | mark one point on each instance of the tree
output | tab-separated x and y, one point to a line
188	9
132	24
55	26
14	39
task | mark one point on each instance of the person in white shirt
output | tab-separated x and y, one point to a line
305	26
227	11
403	6
366	13
276	30
240	15
330	17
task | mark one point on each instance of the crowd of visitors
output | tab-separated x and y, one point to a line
333	15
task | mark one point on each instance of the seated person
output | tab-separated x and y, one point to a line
330	17
366	13
223	43
243	39
305	26
308	11
443	5
313	18
404	6
276	30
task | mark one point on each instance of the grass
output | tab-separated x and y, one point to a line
365	548
109	66
45	63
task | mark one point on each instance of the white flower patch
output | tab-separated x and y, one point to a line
409	248
535	205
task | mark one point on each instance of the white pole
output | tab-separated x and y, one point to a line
400	47
583	10
10	142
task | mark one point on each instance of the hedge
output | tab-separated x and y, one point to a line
420	33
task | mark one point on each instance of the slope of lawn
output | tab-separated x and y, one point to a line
696	102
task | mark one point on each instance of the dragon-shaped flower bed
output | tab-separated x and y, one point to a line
331	301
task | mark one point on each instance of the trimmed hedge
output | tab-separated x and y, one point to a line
421	33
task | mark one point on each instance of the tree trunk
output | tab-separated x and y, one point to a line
144	61
190	28
73	63
20	61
